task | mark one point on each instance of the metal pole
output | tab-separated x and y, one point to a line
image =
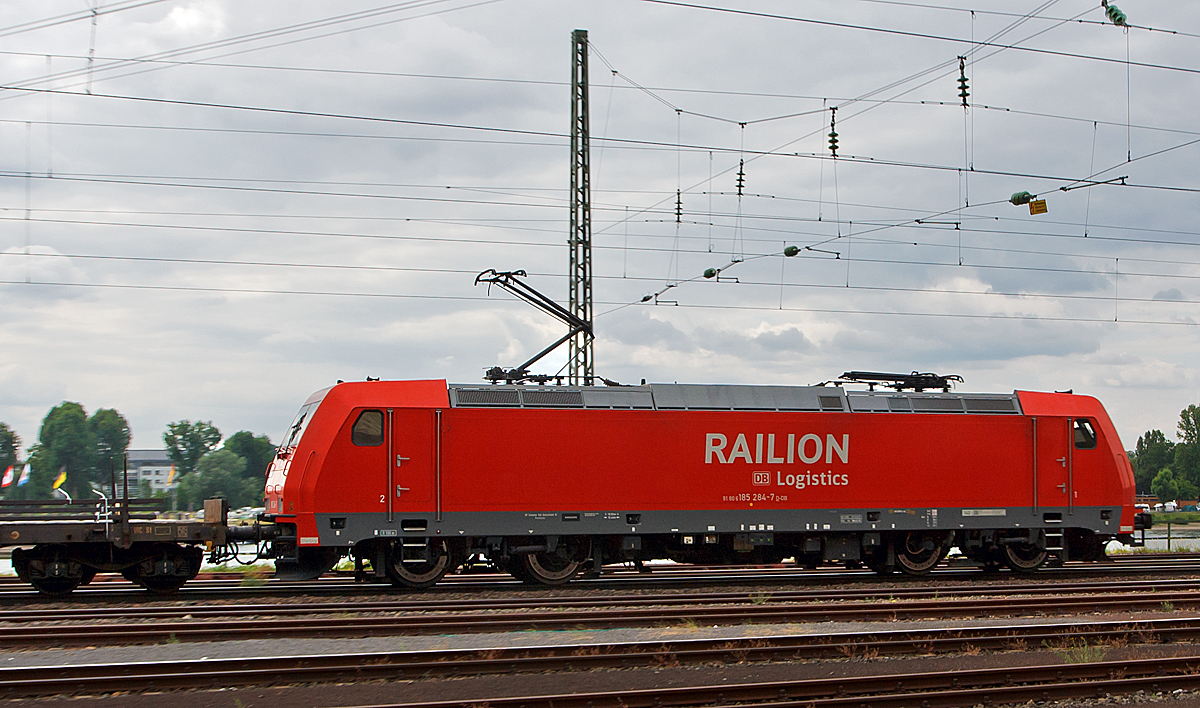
580	365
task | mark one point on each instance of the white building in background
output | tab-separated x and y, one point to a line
153	466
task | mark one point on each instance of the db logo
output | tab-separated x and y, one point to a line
762	479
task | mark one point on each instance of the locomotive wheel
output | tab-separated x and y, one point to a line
1024	557
419	573
558	567
919	551
549	568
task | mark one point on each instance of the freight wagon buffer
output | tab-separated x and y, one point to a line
413	477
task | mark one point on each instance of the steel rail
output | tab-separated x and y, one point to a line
16	682
121	591
943	689
488	621
423	604
13	591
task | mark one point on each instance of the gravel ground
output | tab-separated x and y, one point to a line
606	680
603	680
190	651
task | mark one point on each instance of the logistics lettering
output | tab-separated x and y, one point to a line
812	479
807	449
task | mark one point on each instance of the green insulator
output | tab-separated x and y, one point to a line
833	143
711	272
791	251
1115	15
1020	198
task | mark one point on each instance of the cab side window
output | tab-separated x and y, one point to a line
368	429
1085	435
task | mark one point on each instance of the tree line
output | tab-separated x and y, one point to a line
88	451
1169	470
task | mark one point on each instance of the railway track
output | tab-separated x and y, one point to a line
1013	684
145	625
14	591
494	604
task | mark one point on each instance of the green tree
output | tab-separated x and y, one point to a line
10	445
1153	453
1186	463
256	450
66	444
112	440
1164	485
187	442
219	474
1187	490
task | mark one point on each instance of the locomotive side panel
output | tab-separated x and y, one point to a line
702	460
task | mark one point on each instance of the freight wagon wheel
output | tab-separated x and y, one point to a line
51	570
418	565
918	551
55	586
1024	557
167	569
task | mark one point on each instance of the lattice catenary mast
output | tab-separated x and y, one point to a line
580	364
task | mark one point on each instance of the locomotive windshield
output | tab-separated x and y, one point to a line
296	430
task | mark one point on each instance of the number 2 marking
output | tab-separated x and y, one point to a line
381	498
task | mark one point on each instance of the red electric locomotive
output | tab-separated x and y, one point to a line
412	478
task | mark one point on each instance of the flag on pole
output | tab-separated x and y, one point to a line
171	474
8	477
62	477
24	476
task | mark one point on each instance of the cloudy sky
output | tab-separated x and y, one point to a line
211	208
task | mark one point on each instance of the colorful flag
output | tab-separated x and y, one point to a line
171	474
24	476
8	477
62	477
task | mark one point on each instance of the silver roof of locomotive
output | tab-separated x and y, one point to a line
714	397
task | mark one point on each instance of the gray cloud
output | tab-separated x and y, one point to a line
236	201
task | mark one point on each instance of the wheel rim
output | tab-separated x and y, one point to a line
424	574
915	557
145	571
55	586
1024	557
58	584
550	569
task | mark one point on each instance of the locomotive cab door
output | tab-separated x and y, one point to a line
1052	462
409	439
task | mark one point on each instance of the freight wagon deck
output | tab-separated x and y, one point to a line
62	544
